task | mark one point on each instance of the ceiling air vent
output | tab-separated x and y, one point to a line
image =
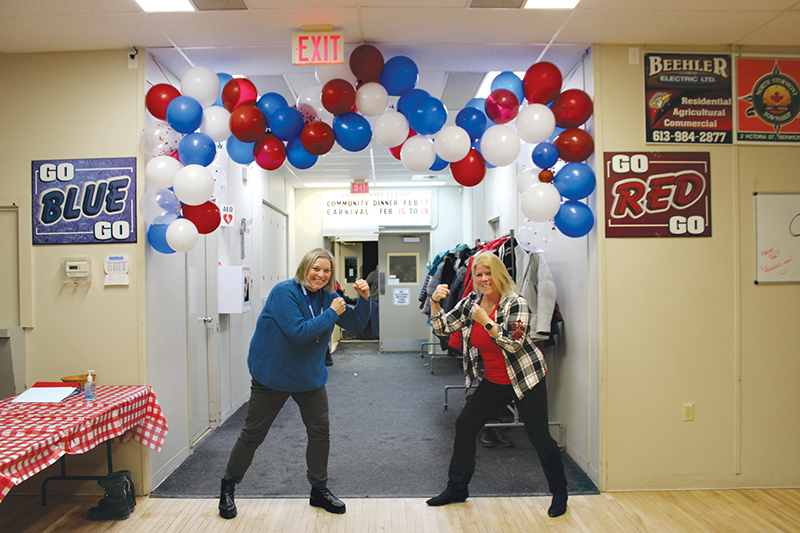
218	5
497	4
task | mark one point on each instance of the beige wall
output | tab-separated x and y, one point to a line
681	321
73	106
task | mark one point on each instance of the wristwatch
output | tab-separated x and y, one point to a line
489	326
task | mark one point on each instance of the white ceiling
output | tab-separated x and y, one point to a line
453	42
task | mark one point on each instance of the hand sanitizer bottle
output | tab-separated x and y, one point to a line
89	388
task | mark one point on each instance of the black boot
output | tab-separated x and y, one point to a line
500	439
449	495
114	506
130	491
325	499
485	438
558	506
328	358
227	507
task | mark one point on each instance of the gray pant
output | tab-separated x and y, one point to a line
264	406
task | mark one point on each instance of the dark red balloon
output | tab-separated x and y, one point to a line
238	92
317	138
269	152
247	123
546	176
574	145
469	171
542	83
338	96
366	63
501	106
572	108
158	98
205	216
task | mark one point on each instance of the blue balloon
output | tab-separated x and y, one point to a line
427	116
223	79
408	99
509	81
184	114
473	122
298	156
197	149
240	152
480	105
439	164
575	181
286	123
574	219
352	131
544	155
269	103
157	237
400	75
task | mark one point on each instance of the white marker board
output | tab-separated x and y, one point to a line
777	219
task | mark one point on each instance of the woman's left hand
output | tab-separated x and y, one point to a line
362	288
480	315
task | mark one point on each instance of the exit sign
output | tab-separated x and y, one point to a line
359	187
317	48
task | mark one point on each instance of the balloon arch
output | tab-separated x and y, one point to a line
349	108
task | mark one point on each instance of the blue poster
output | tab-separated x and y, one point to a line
84	201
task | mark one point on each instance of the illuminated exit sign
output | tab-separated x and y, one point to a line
317	48
359	187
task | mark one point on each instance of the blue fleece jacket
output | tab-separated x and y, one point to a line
287	352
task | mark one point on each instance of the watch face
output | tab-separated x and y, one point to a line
488	326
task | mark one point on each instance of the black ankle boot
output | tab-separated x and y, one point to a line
499	438
114	506
325	499
227	507
485	438
558	506
130	491
449	495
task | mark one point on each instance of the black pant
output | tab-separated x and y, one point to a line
482	406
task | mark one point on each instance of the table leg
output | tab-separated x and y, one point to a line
65	477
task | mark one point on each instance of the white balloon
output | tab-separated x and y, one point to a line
160	171
326	73
452	143
182	235
540	202
390	129
202	84
371	99
193	185
526	178
216	123
418	154
159	138
500	145
536	123
536	237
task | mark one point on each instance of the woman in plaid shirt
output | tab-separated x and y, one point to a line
494	322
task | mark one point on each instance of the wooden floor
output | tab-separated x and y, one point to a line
690	511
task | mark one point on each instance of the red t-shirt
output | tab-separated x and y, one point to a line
494	362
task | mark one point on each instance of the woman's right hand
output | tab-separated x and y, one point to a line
440	292
338	305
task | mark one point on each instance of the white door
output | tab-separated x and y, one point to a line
402	270
274	256
197	324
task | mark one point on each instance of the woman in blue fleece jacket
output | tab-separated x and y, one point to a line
287	358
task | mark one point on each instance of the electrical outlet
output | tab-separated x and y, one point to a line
133	62
688	412
633	56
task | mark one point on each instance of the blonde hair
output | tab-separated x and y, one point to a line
308	261
498	270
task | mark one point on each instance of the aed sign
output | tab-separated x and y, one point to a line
84	201
658	194
317	48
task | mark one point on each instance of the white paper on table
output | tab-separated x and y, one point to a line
44	395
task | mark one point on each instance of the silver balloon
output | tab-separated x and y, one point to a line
160	206
536	237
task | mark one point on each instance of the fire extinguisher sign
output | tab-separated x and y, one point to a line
658	194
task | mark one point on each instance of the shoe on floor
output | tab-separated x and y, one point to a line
325	499
558	506
485	438
227	507
498	438
449	495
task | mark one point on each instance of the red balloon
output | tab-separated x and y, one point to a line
338	96
572	108
269	152
501	106
574	145
395	150
158	98
247	123
205	216
542	83
317	137
237	92
366	63
469	171
546	176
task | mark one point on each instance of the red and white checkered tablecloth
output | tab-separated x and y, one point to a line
35	435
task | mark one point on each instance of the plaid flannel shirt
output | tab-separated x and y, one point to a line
524	361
